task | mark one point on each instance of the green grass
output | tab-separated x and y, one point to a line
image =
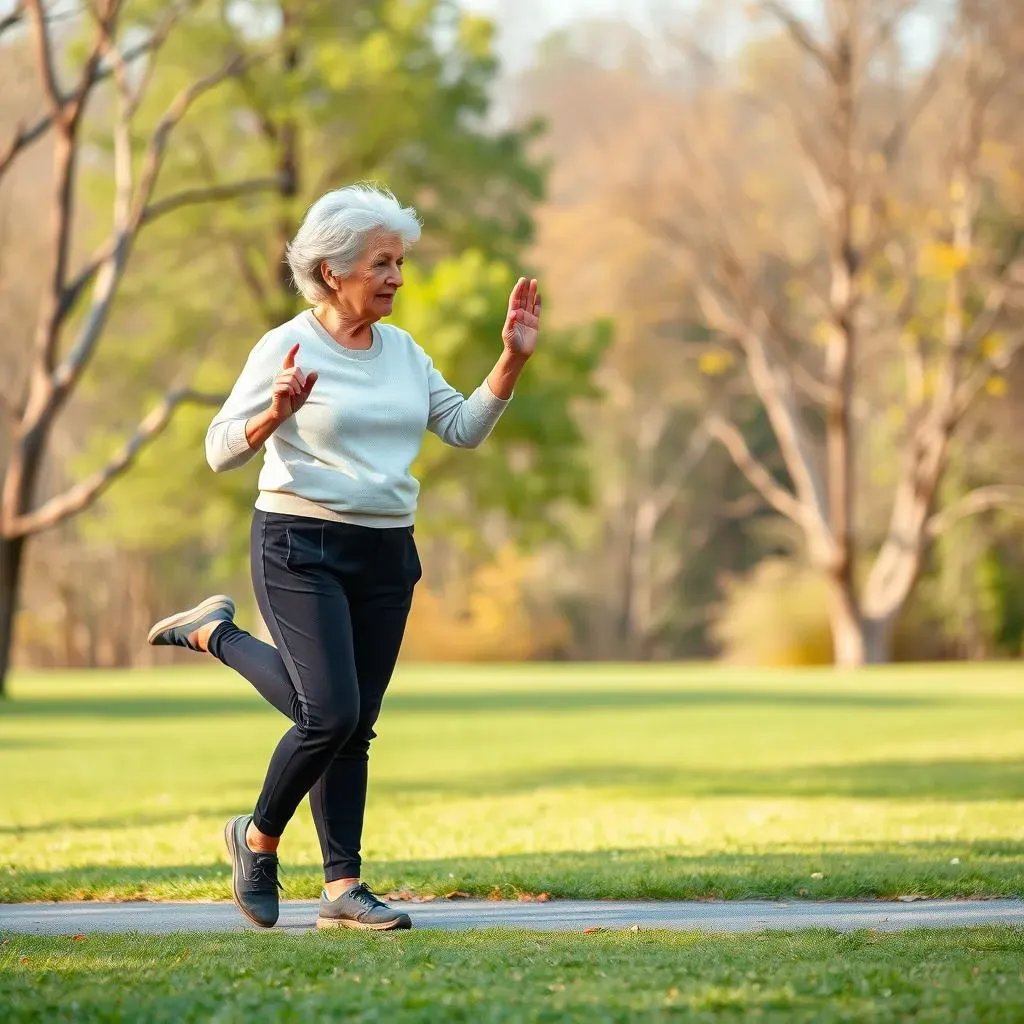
958	975
582	781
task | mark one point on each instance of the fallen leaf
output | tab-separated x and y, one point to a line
543	897
496	895
78	938
801	892
817	876
23	960
909	899
593	931
457	895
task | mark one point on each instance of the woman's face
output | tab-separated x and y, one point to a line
369	291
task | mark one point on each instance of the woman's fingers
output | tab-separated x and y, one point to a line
515	300
531	296
310	381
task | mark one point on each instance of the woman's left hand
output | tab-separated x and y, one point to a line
522	324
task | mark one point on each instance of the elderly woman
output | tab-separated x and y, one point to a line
339	402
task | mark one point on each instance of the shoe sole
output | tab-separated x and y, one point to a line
182	618
229	840
327	923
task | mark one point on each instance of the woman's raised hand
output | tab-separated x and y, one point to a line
290	389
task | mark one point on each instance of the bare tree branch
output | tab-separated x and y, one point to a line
14	17
729	435
976	382
44	58
774	386
798	32
983	499
24	137
108	274
106	21
670	483
87	491
206	194
175	201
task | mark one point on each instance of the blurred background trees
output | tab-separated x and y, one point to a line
778	413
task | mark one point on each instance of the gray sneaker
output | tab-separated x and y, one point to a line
359	908
178	629
254	881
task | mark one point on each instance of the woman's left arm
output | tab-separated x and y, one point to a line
465	423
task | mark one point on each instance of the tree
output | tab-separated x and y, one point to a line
640	578
398	93
848	212
75	303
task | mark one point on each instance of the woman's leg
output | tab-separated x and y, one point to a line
338	797
305	608
261	664
379	608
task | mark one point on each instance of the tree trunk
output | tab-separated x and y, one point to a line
877	641
857	639
639	595
12	550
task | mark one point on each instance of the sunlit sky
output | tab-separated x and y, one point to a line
524	23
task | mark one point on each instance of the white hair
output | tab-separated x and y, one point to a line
335	230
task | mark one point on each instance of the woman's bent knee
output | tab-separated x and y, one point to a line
334	725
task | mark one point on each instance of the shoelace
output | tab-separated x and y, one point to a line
264	873
365	895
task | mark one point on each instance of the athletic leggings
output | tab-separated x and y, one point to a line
335	598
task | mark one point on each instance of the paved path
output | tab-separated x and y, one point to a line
558	915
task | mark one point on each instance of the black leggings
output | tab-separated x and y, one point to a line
335	598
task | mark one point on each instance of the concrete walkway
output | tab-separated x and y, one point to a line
558	915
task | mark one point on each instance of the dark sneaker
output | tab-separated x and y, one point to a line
178	630
254	881
359	908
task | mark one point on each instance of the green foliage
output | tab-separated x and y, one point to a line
533	459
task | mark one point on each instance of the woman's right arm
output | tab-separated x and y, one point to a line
264	396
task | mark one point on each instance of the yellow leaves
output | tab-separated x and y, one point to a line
957	190
378	55
942	260
821	333
992	346
476	34
996	387
715	362
491	622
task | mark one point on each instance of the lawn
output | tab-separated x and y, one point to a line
968	975
595	781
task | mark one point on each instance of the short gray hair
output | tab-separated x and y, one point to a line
335	230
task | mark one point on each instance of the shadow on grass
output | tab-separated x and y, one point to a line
855	871
139	707
928	780
569	700
124	821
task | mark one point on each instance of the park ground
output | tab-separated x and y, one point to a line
575	781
